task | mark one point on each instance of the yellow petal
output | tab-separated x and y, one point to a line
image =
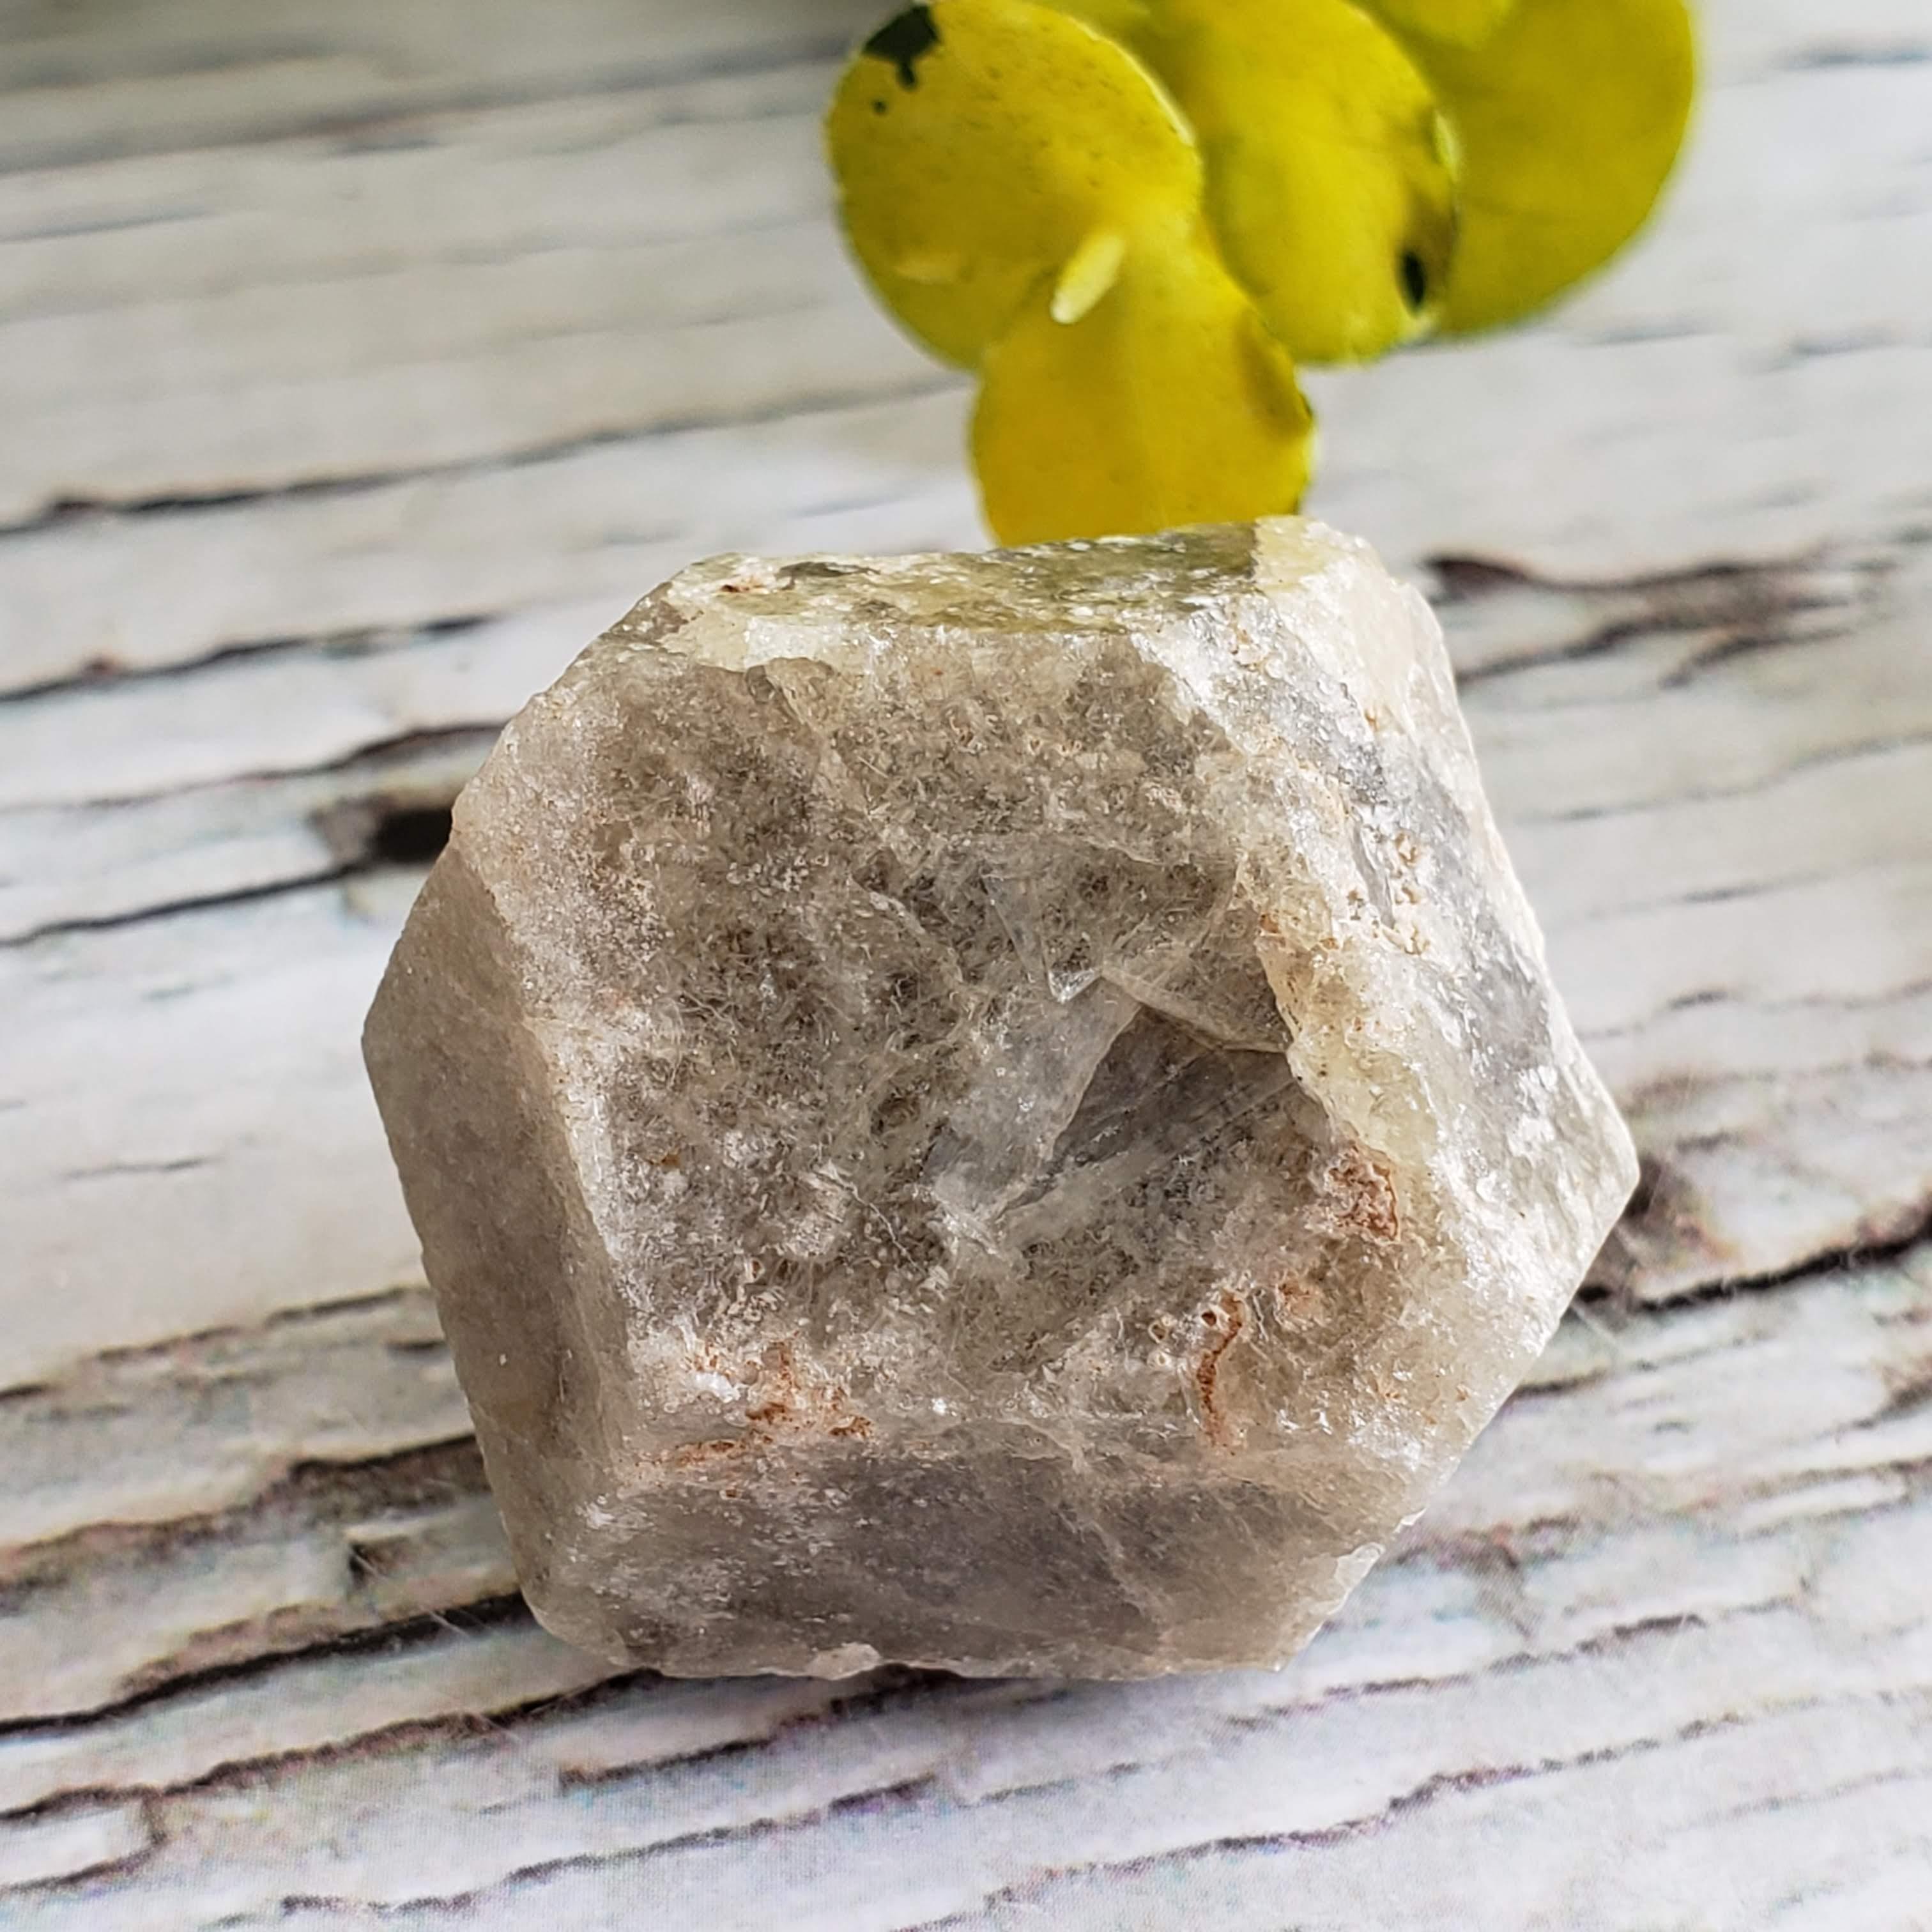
979	144
1465	23
1165	403
1329	187
1567	120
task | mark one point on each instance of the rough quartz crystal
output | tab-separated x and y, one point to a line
1000	1111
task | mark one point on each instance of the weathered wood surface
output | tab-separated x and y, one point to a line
356	366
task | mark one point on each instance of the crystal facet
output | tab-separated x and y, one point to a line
1000	1111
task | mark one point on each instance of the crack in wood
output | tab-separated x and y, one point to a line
1749	605
803	405
387	1639
323	1494
1663	1207
104	671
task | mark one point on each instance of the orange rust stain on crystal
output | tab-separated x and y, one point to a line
1365	1194
783	1404
1224	1321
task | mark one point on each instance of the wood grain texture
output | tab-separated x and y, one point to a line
356	368
1680	1581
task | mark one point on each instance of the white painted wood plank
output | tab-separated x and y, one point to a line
197	1084
1650	1586
239	1411
694	174
1779	337
170	1513
430	366
550	549
311	1705
155	80
70	1844
117	860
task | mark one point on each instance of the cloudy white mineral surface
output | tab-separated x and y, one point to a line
1000	1111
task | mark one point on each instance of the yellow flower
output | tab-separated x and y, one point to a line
1465	23
1027	201
979	145
1130	215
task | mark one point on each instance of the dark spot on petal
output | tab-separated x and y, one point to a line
905	39
1414	278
